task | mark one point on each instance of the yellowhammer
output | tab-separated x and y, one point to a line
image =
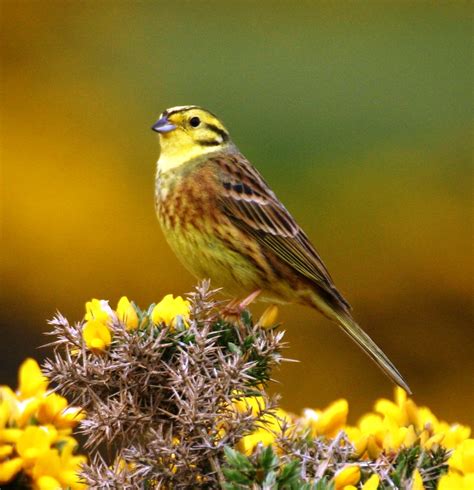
225	223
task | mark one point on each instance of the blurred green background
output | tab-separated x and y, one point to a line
358	115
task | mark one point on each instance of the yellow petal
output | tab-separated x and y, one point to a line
371	424
372	483
8	406
433	441
391	410
373	449
69	418
269	317
71	479
426	419
254	404
98	309
394	435
410	437
9	469
358	440
47	464
455	435
71	466
51	431
127	314
260	436
417	481
412	413
334	417
27	410
46	482
349	475
329	421
452	481
32	382
462	459
33	442
168	309
468	456
469	481
10	435
51	406
5	451
400	396
97	345
96	335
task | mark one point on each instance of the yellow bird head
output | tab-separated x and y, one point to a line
187	132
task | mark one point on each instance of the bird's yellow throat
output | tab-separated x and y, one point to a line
178	149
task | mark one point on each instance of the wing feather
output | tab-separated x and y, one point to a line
251	205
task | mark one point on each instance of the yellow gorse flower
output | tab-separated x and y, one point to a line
59	469
98	309
96	332
35	428
269	317
53	409
99	315
169	309
347	476
327	422
372	483
269	427
127	313
31	380
401	423
96	335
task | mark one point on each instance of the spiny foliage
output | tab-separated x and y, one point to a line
162	399
265	470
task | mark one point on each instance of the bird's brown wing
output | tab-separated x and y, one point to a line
251	205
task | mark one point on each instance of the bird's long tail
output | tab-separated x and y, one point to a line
350	327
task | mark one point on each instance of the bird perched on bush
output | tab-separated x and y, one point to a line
225	223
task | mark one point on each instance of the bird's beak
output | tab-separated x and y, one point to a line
163	125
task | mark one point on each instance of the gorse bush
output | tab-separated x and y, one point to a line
163	393
175	396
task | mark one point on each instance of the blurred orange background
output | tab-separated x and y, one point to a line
359	117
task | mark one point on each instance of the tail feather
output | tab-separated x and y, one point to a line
350	327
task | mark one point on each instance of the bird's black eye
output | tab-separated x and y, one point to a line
195	121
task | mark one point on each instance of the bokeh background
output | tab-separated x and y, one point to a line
358	115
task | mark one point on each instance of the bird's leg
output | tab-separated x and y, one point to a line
234	308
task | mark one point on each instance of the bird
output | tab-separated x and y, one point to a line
224	223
